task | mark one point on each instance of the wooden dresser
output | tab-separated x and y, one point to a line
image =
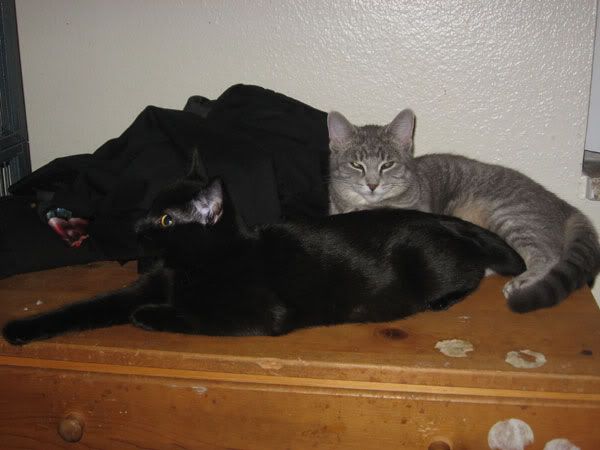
377	386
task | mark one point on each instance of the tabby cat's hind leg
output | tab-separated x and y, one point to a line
526	279
531	290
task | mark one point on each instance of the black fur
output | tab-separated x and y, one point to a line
216	277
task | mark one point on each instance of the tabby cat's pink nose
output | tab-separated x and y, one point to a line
372	186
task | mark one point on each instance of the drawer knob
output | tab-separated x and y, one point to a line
71	428
439	445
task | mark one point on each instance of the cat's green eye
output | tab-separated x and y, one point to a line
388	165
166	221
356	165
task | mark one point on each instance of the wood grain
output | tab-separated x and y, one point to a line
569	335
345	387
122	412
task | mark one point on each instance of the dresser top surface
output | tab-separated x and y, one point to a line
402	351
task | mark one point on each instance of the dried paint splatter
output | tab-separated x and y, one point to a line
511	434
454	348
199	389
525	359
560	444
270	363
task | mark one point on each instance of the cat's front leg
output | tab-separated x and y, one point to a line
20	332
113	308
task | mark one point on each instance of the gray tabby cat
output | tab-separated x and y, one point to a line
373	166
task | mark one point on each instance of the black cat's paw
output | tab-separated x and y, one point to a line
18	332
445	302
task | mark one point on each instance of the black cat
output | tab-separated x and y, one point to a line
217	277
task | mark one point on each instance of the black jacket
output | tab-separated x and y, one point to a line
271	150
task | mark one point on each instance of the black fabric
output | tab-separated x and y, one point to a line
27	244
199	105
293	134
271	150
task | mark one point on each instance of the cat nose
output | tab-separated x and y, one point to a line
372	186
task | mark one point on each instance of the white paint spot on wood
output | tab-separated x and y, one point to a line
39	302
560	444
269	363
525	359
454	348
200	389
26	309
511	434
301	361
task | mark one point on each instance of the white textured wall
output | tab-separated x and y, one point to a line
504	81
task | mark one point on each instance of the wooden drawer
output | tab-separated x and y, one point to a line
158	412
369	386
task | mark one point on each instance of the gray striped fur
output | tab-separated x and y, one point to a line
557	242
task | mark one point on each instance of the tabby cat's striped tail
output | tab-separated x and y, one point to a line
579	265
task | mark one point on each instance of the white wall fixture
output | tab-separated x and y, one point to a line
590	188
592	139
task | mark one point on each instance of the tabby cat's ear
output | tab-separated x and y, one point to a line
340	129
209	203
402	127
197	169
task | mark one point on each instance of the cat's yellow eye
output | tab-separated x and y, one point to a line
166	221
388	165
356	165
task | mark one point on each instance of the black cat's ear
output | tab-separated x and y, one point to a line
197	169
402	127
340	129
209	203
